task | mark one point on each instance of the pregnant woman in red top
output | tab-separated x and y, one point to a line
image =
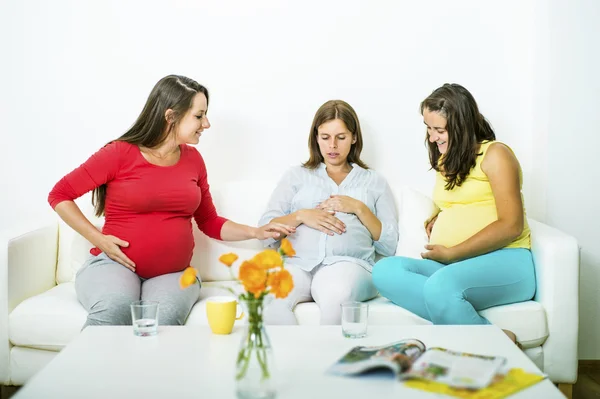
148	183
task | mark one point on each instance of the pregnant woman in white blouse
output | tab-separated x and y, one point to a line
343	212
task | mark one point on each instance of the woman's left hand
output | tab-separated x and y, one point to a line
439	253
341	203
273	230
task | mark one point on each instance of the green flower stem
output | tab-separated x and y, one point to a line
254	341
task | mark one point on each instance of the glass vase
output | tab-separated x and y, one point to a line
254	366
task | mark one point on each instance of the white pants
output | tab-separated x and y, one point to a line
328	286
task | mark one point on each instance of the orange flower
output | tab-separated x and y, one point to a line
253	277
228	259
268	259
188	277
281	283
286	247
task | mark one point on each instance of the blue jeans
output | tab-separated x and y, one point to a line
452	294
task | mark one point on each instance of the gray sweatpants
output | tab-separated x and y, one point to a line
105	288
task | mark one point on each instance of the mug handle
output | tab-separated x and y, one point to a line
241	315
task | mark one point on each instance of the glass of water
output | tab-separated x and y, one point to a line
354	319
144	315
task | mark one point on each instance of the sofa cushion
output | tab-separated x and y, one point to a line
73	249
526	319
51	320
381	312
536	355
414	209
26	362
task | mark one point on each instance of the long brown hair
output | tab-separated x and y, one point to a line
335	109
466	128
151	128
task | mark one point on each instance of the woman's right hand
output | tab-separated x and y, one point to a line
322	220
429	226
111	246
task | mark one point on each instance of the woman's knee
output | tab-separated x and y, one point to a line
280	312
329	299
440	293
384	271
330	303
439	286
111	309
170	314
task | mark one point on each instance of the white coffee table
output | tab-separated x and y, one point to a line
191	362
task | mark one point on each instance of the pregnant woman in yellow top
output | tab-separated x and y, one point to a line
479	248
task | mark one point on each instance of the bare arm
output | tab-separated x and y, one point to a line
429	225
502	169
232	231
292	219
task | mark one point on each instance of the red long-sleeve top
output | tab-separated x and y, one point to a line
147	205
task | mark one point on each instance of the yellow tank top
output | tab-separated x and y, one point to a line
466	210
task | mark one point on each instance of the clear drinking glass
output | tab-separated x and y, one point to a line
144	315
354	319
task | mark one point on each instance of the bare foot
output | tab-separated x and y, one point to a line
511	335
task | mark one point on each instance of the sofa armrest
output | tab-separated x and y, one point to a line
27	268
556	259
31	263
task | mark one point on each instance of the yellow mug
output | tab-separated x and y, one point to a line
221	314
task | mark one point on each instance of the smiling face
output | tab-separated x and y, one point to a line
436	129
335	141
193	123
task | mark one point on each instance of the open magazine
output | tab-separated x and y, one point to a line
410	359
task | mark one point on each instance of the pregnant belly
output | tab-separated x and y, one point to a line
158	250
311	243
356	242
459	223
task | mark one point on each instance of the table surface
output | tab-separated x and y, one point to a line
191	362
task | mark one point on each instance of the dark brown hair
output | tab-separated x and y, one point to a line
151	127
466	128
331	110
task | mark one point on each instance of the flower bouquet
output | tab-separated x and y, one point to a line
260	276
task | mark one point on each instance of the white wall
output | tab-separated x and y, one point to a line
79	73
573	174
74	75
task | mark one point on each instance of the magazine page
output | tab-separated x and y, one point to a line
456	369
398	357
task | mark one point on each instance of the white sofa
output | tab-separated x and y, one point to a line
40	314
